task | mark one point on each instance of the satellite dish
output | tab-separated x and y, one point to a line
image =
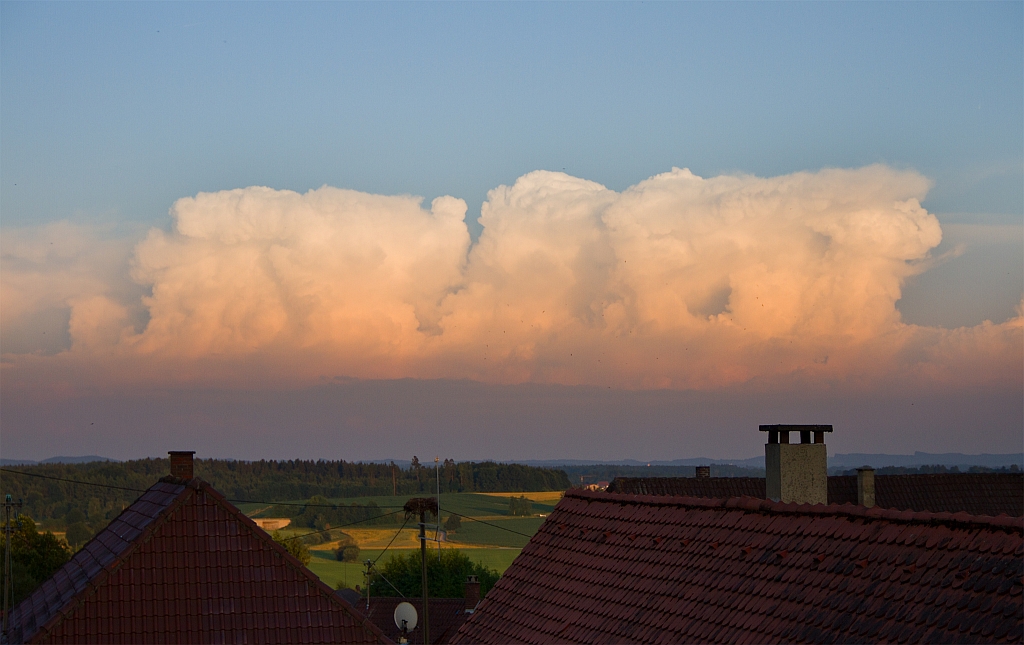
405	616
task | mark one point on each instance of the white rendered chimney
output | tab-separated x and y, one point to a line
796	472
866	486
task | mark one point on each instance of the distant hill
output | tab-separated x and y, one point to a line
17	462
847	460
692	461
86	459
855	459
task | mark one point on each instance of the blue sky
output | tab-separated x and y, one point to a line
113	115
119	109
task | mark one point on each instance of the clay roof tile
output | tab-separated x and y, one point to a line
726	593
123	583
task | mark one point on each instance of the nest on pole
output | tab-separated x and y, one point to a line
418	505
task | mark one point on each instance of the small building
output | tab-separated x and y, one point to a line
610	567
183	565
446	614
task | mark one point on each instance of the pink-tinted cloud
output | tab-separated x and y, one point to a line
679	282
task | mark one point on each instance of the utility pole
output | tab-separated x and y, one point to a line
369	565
421	506
437	528
9	504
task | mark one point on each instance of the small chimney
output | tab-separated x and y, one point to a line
796	472
866	486
181	463
703	472
472	593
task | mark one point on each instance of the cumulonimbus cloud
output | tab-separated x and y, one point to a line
677	282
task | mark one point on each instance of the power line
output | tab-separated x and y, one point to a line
304	505
72	481
373	568
391	542
340	526
143	490
249	501
490	524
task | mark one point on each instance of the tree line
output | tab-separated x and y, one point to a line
58	504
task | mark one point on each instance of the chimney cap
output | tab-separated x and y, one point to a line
181	452
782	427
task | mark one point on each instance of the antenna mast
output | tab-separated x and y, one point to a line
437	528
8	583
422	506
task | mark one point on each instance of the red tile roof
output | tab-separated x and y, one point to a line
182	564
613	568
446	616
976	493
717	487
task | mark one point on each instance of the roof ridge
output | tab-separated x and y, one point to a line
93	581
189	488
289	559
754	504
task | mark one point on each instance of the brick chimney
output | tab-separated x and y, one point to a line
472	594
796	472
181	463
866	486
703	472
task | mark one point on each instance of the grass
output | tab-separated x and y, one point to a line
489	544
350	574
548	497
471	504
492	533
471	535
328	569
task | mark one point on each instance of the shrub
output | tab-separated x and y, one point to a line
78	534
446	576
348	553
34	556
453	523
295	547
520	506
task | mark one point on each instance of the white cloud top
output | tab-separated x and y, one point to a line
678	282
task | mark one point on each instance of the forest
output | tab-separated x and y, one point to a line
56	504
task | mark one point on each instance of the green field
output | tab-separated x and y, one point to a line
493	542
472	504
350	574
494	532
508	532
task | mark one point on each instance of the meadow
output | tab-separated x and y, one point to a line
486	506
350	574
488	535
